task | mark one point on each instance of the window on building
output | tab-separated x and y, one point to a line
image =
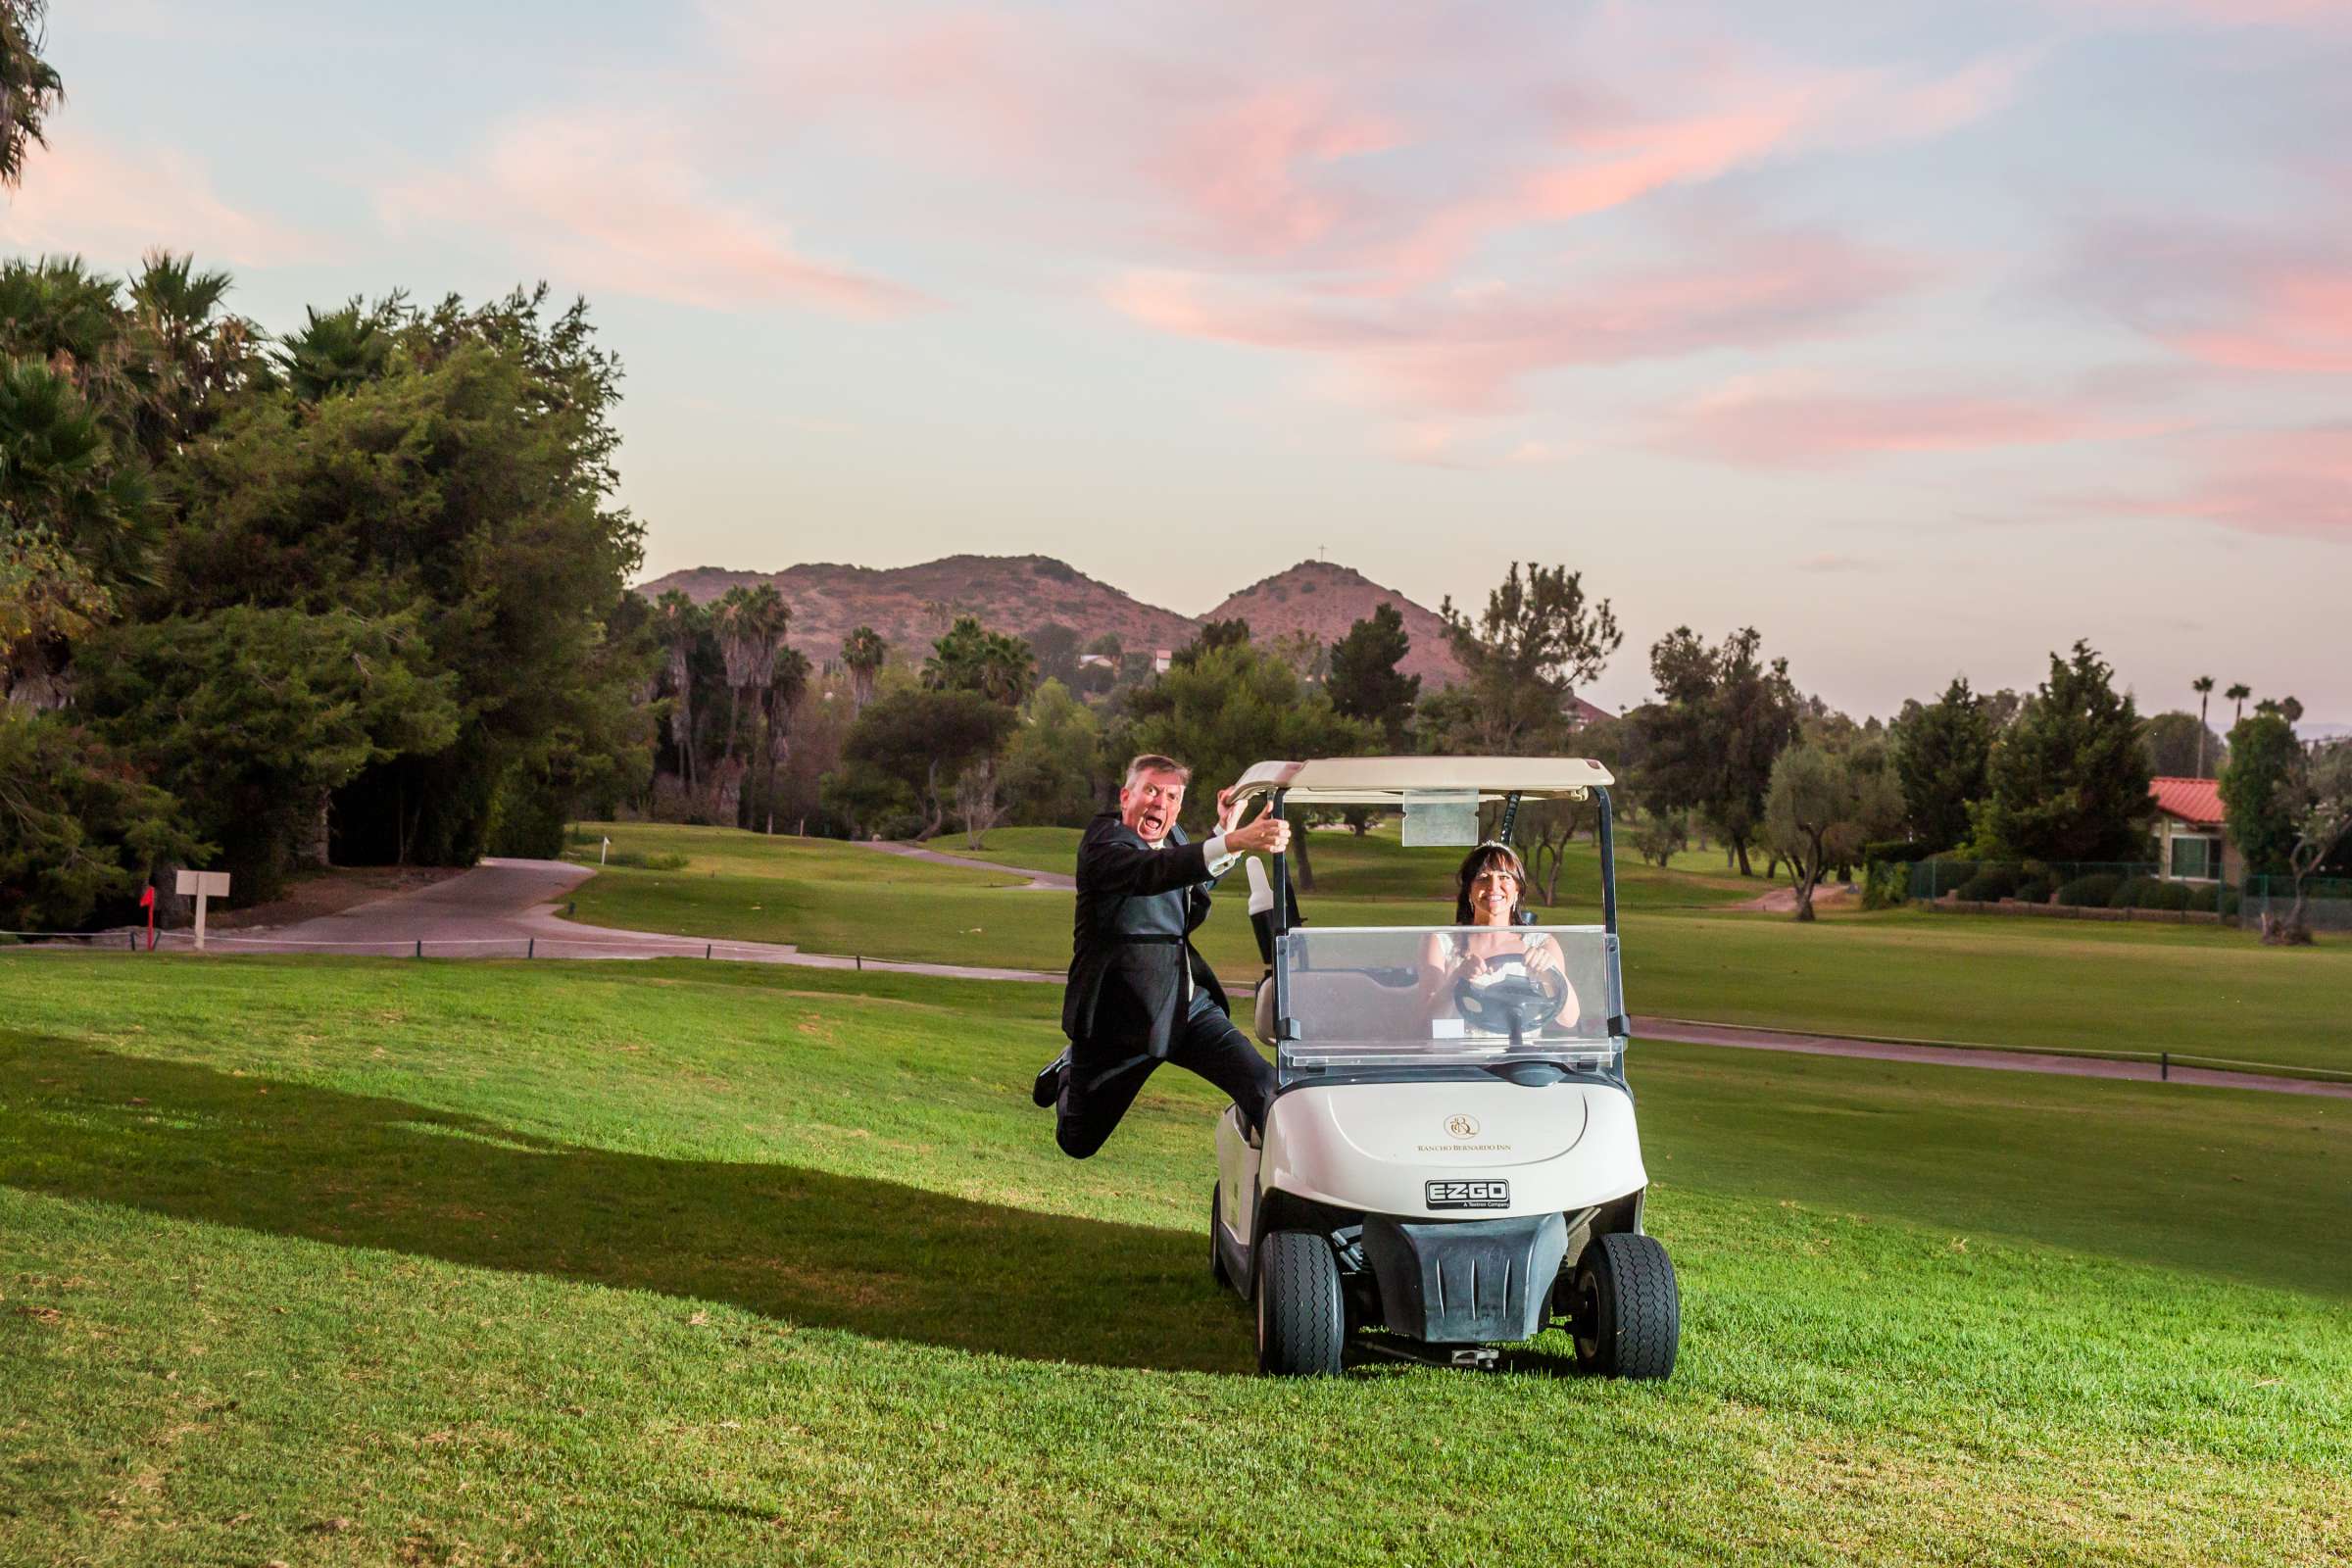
2197	857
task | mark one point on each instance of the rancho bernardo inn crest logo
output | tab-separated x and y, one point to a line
1462	1127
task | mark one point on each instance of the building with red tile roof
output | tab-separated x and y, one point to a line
2192	837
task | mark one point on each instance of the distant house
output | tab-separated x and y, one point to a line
2192	841
1581	712
1096	662
1160	660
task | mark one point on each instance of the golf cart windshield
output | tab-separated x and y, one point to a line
1397	999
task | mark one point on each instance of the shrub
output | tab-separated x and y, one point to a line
1894	852
2034	889
1990	883
2171	896
2132	893
1885	885
2205	899
2092	892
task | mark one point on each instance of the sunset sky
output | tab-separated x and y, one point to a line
1926	339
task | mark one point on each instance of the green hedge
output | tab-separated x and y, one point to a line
2092	892
2036	889
1991	883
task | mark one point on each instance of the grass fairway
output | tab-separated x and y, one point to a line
340	1261
2200	990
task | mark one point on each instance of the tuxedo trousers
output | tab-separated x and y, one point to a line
1103	1076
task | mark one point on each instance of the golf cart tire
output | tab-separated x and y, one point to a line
1629	1315
1301	1316
1216	1250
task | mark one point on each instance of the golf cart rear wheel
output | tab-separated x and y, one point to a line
1216	1251
1301	1319
1628	1311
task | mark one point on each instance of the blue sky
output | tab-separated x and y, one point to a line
1926	339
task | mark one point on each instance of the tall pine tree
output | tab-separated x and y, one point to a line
2069	779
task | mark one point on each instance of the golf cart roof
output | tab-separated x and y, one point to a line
1388	781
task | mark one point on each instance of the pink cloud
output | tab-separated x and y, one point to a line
620	204
1466	353
2293	484
2291	318
1370	151
1765	424
2229	299
2284	482
80	196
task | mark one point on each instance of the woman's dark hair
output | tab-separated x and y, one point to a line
1477	860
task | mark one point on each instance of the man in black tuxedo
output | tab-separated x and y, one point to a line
1137	993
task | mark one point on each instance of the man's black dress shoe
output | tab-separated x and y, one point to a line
1048	1088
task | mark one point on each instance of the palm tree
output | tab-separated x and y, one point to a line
766	618
734	651
197	353
750	624
1007	673
2238	694
29	86
783	694
862	653
336	351
681	622
2203	687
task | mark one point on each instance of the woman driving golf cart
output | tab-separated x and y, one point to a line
1488	891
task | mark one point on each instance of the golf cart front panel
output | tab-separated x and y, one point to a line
1470	1148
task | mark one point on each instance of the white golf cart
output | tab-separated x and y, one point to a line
1450	1156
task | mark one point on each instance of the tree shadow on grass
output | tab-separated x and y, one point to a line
872	1256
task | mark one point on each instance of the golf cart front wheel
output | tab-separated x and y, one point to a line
1301	1319
1629	1313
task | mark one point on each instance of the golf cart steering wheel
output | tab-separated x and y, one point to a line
1515	1005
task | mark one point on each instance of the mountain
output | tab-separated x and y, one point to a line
911	605
1325	599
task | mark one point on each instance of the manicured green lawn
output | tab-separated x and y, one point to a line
378	1260
2198	990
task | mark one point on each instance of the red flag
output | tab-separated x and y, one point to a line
147	896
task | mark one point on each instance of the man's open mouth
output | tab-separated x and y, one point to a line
1153	827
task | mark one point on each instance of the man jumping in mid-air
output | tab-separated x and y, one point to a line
1138	992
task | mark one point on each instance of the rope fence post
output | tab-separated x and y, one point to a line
532	950
421	946
2164	1066
706	949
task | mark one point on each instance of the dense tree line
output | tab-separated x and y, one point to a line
355	593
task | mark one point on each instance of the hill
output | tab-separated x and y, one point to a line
1325	598
909	606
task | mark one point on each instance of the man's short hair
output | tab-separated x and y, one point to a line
1154	762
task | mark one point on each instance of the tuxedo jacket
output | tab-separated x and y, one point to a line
1132	968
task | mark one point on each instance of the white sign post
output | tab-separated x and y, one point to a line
600	853
203	885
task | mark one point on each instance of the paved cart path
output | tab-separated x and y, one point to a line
505	909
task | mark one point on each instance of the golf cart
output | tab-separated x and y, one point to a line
1450	1156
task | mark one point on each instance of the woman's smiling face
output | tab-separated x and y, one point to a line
1494	893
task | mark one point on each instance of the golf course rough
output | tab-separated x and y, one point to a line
382	1260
